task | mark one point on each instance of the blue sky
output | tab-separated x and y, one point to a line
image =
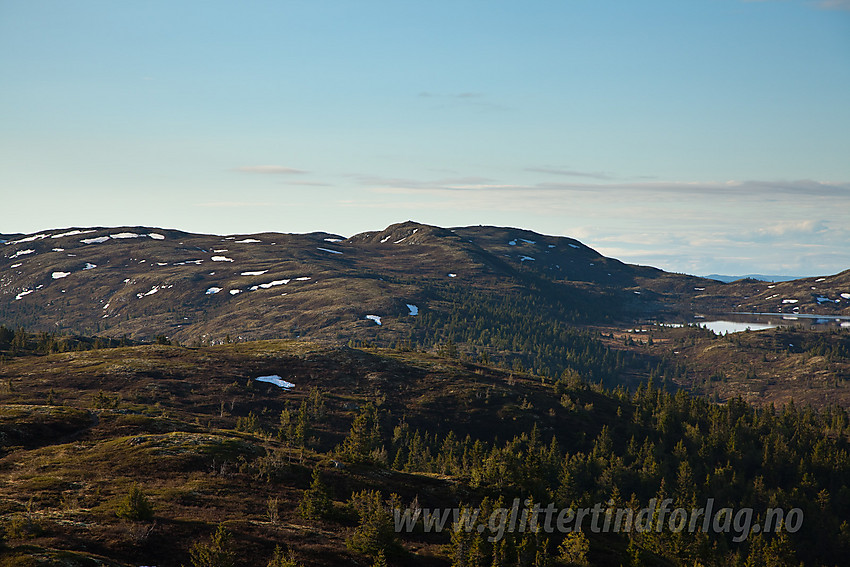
701	136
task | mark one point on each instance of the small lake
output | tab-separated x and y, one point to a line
739	322
723	327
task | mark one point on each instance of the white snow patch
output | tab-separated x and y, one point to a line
220	251
400	240
257	273
524	258
790	300
60	275
551	246
573	246
90	266
153	290
58	250
303	279
452	275
29	239
820	280
512	243
528	241
162	263
385	239
276	380
413	309
221	259
156	236
844	295
248	241
270	284
235	291
122	235
19	264
23	293
21	253
333	239
72	233
213	290
329	250
695	289
98	240
374	318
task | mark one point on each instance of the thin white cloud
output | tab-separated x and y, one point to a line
834	5
804	189
402	184
233	204
308	183
466	99
817	4
467	94
794	227
569	172
272	169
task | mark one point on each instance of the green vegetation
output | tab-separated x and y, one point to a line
136	505
519	330
316	503
283	558
21	343
375	533
243	472
218	552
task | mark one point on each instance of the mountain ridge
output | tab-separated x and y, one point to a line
146	281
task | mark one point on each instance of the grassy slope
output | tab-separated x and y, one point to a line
769	366
164	416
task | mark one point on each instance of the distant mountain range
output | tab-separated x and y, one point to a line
760	277
379	286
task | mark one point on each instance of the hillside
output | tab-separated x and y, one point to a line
143	282
203	443
771	366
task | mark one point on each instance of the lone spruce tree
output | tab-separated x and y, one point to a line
316	503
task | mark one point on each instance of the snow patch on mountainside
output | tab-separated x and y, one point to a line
276	380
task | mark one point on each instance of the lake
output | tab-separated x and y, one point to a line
738	322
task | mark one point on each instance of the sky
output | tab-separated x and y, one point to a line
707	136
